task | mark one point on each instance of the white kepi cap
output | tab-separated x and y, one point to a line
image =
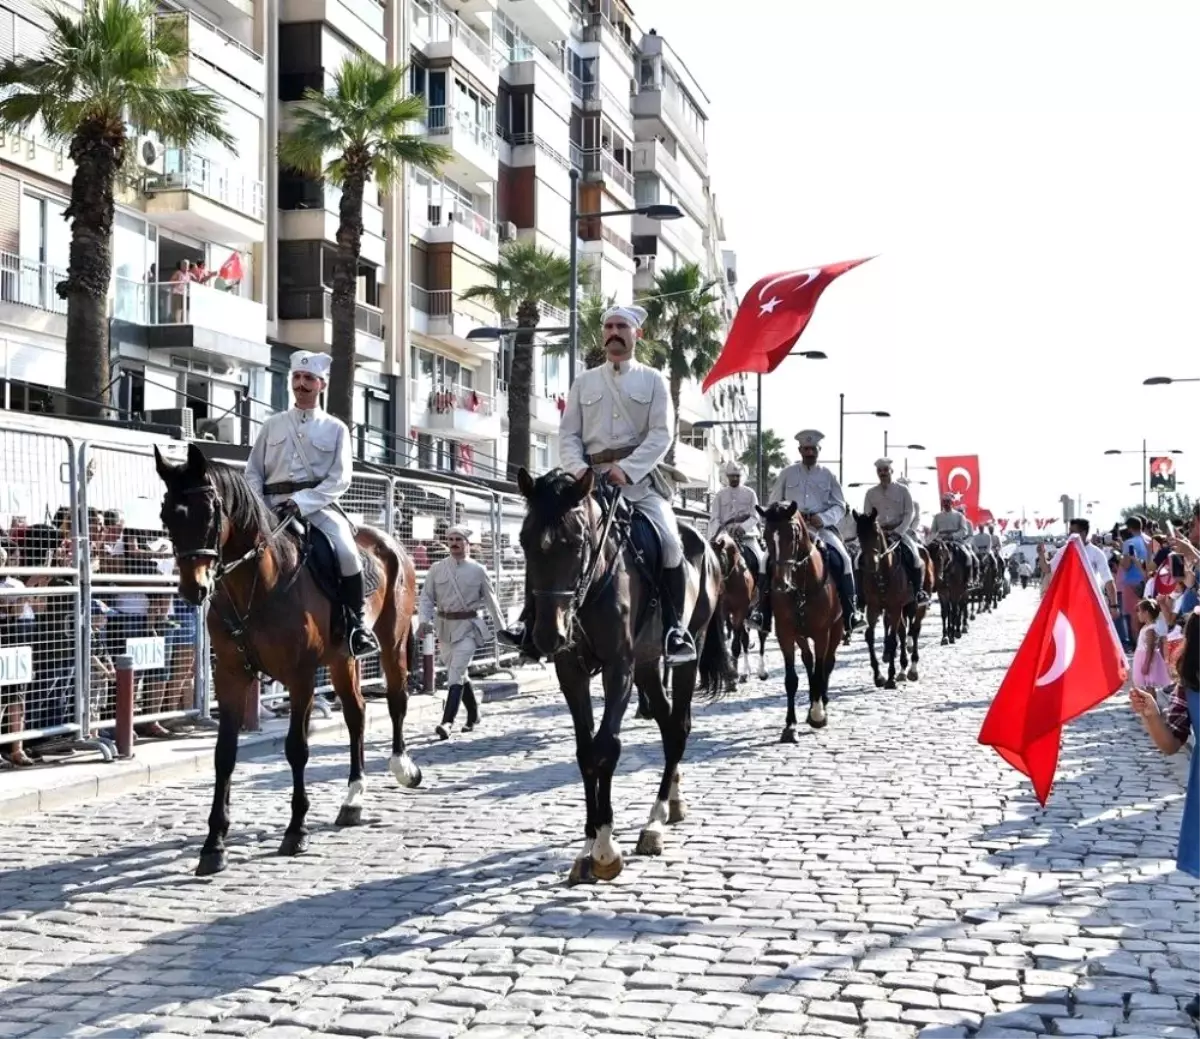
635	315
459	532
810	438
314	364
733	469
883	463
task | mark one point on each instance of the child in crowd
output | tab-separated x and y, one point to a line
1149	665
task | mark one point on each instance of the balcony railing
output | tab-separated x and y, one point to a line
442	398
584	90
616	240
317	305
463	215
597	23
217	49
443	119
519	139
599	161
189	171
189	303
31	283
576	156
434	24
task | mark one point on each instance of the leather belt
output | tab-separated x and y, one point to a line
458	615
607	457
288	487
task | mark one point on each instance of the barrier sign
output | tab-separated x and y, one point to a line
16	665
149	654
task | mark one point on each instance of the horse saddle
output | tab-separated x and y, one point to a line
642	537
320	557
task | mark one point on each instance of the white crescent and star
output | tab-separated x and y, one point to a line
1064	650
769	306
958	469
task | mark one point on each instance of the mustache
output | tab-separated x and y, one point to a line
614	339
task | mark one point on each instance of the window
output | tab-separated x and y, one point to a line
645	191
45	236
648	74
540	449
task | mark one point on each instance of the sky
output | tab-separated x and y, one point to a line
1027	176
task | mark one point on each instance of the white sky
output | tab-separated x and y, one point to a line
1030	183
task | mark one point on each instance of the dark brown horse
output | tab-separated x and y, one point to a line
953	571
806	608
594	593
268	615
738	598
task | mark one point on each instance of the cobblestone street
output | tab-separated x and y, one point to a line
886	877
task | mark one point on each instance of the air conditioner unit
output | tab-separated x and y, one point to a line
182	418
508	231
226	429
151	155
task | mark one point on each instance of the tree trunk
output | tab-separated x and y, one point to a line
95	150
343	299
520	388
676	390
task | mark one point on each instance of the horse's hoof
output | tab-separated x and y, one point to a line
763	676
901	676
945	641
405	771
789	734
212	862
607	870
912	675
879	681
294	844
676	811
649	843
743	679
581	871
349	815
817	721
890	684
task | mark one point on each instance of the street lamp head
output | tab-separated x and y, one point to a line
915	447
659	211
812	355
882	414
486	332
1112	451
1158	380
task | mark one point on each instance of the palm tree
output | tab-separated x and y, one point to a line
774	459
355	132
104	72
591	331
683	331
525	277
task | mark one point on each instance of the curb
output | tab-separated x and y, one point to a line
119	777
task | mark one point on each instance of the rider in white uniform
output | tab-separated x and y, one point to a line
896	513
737	505
618	421
819	499
952	526
301	464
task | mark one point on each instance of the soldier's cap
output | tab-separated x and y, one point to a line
633	315
733	469
883	463
459	532
313	363
947	496
810	438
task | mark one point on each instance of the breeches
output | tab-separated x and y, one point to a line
909	545
339	531
662	517
456	657
833	541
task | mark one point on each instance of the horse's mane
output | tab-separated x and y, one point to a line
549	500
245	509
865	523
777	512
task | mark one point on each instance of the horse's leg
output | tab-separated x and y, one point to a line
231	688
394	662
762	655
300	701
617	679
919	615
574	684
791	682
869	636
889	647
345	677
735	643
816	661
674	723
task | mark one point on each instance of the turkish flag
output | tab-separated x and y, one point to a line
1069	661
231	269
770	319
959	474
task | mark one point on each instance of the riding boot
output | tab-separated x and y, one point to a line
521	633
756	618
847	595
471	704
916	574
362	640
453	699
680	647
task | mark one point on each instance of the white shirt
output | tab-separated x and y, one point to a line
734	503
1097	562
328	456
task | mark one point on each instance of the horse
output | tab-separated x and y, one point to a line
990	581
594	586
807	610
888	593
953	588
738	598
270	590
854	551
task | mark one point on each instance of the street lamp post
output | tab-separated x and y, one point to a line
842	413
1165	380
655	211
1145	453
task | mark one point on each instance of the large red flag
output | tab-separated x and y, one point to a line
770	319
959	474
1069	661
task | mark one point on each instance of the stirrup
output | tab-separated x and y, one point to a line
685	652
362	642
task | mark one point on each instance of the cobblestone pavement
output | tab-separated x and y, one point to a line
886	876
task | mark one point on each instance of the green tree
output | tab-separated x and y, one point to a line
1172	508
682	331
358	130
591	330
774	459
105	71
525	277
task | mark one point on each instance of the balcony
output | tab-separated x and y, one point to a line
475	152
545	21
306	322
31	285
219	62
195	321
603	167
457	223
528	66
321	225
652	103
456	412
645	271
199	197
439	35
359	21
441	315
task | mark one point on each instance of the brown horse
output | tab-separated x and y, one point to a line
806	608
594	582
738	597
269	615
953	572
888	593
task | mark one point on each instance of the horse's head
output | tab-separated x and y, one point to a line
870	538
727	552
558	538
192	516
788	542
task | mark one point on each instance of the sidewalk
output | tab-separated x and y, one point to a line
84	777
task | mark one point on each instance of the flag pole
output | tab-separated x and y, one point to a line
758	448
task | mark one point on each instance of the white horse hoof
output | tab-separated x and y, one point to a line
406	771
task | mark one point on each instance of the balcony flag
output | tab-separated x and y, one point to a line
770	319
231	269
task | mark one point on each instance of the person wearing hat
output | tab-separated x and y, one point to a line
301	464
818	497
896	513
737	505
952	525
456	591
618	421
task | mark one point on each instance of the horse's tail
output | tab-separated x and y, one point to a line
716	672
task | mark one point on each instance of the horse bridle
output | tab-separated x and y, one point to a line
212	547
794	564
